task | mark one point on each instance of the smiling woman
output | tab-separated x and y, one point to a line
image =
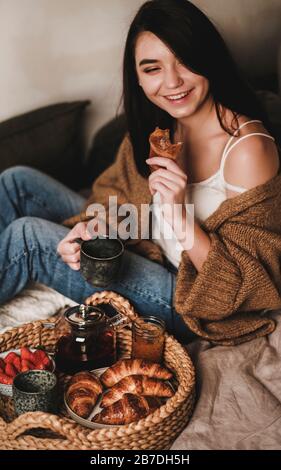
178	75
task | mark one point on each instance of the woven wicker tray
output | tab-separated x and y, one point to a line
58	432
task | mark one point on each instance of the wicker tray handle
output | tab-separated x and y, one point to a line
118	302
40	420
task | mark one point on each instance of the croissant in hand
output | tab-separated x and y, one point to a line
126	367
82	393
130	408
161	146
138	385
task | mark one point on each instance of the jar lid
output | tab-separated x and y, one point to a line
85	316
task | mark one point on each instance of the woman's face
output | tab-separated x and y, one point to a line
165	81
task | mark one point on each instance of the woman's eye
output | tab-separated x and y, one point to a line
151	70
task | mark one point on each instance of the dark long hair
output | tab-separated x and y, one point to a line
198	45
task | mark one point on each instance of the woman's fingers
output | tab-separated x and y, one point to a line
68	246
71	258
164	182
73	261
168	175
166	163
75	266
68	249
168	178
174	182
79	231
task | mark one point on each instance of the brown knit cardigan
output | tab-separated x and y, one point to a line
225	301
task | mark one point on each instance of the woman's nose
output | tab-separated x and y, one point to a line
172	78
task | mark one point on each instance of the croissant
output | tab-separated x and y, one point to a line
138	385
126	367
82	393
161	146
130	408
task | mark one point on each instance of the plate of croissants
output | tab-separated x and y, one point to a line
126	392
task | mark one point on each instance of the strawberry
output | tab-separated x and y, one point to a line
42	358
27	355
46	361
17	364
9	359
2	364
49	366
40	366
5	379
10	370
40	355
27	365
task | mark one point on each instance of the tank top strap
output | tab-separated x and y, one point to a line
228	149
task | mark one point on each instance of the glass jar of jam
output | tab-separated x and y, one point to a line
148	339
91	342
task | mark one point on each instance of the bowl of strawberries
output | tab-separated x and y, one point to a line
21	360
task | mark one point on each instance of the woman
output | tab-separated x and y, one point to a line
178	75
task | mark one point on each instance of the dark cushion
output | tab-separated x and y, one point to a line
104	147
272	104
49	139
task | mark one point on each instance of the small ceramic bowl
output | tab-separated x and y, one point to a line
35	390
6	389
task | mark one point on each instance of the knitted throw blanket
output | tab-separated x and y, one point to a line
226	301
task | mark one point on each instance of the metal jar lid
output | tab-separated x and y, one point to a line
83	317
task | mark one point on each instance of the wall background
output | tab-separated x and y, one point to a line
60	50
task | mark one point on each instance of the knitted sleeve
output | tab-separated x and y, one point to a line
231	279
210	293
112	181
109	183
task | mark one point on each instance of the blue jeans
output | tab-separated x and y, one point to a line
32	207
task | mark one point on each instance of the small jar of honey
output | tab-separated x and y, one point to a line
148	339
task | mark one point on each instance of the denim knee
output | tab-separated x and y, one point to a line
29	232
16	171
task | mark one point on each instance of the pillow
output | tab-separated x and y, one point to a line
49	139
104	147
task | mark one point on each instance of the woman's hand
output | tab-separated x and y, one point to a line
70	250
170	182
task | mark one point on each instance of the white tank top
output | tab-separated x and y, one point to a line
206	196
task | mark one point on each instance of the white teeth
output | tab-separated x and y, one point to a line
177	97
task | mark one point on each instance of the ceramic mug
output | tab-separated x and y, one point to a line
100	259
35	390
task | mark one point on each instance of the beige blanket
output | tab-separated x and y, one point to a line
239	395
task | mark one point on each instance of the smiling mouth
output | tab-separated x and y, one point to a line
179	96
